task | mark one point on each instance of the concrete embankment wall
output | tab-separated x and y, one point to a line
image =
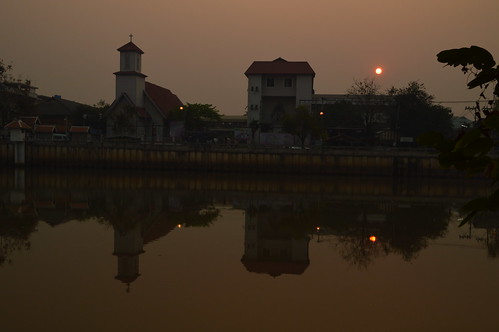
222	158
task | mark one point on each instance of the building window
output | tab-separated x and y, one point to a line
256	107
288	82
251	107
127	61
270	82
251	88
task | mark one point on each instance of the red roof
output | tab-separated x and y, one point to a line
30	120
130	47
280	67
44	129
17	124
163	98
79	129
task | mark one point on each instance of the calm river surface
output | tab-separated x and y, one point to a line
205	252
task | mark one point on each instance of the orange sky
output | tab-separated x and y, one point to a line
200	49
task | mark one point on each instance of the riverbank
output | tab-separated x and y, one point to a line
223	158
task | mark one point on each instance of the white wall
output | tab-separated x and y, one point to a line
304	88
133	86
254	97
279	89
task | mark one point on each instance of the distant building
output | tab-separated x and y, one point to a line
460	122
276	88
20	88
57	111
44	132
80	134
140	109
31	121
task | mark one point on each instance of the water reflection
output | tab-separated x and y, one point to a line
362	219
276	239
242	253
18	221
364	231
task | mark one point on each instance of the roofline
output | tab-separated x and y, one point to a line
129	73
154	104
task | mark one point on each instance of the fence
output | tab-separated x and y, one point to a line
229	158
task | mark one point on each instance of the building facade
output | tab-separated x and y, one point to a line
275	88
141	109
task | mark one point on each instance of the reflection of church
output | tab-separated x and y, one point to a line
271	248
129	245
127	248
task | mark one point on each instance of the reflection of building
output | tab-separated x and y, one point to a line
271	248
130	237
127	247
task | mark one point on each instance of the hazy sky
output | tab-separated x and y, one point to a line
200	49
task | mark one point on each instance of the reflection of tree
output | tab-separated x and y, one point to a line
125	209
356	247
489	223
193	211
403	230
358	250
15	229
492	242
410	228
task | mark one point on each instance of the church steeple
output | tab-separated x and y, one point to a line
130	79
130	57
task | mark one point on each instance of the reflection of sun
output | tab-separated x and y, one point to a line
378	71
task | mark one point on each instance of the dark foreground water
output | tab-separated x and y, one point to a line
204	252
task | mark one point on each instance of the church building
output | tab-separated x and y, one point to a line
141	109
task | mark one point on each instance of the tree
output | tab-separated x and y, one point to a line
5	72
415	112
365	95
86	115
196	116
472	151
254	125
302	123
15	99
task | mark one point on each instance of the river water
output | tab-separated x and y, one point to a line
99	251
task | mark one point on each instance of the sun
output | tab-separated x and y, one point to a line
378	71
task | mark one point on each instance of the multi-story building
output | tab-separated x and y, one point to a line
276	88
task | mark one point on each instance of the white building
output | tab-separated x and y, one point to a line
140	109
276	88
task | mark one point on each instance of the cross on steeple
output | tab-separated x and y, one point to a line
131	36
